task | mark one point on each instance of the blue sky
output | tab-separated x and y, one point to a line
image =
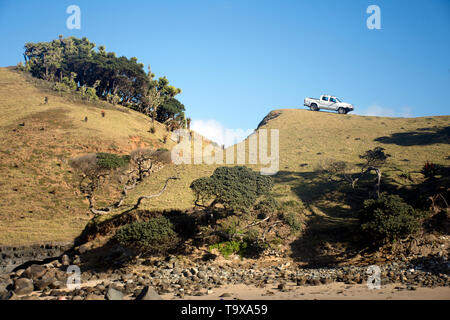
237	60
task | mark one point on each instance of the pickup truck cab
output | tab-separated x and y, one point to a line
328	102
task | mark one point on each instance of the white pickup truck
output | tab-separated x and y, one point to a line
328	102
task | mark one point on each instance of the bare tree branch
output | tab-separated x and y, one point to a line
256	222
138	203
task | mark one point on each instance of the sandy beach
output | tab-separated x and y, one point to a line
333	291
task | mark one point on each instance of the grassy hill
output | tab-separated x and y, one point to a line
39	201
308	139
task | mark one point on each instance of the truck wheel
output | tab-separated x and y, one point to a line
341	110
314	107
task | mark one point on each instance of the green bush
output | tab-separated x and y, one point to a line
70	83
61	87
155	235
430	170
88	94
236	188
292	220
111	161
229	247
267	206
388	219
252	236
203	189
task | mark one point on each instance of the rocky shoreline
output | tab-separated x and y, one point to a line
148	279
12	257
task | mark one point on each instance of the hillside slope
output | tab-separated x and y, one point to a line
40	202
308	139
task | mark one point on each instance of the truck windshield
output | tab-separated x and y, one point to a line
338	100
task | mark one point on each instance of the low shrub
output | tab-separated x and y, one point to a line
88	93
388	219
430	170
267	207
111	161
70	83
227	248
61	87
155	235
293	221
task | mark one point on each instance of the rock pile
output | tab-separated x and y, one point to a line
198	279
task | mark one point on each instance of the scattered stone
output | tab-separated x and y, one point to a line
193	271
301	281
226	295
65	260
76	260
23	286
34	272
100	287
43	283
324	280
114	294
5	295
84	248
282	287
314	282
20	272
56	285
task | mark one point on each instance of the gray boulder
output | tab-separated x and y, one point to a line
43	283
34	272
56	284
4	294
84	248
65	260
23	286
114	294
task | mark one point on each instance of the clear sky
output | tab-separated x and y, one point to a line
237	60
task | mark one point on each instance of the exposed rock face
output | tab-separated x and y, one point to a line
270	116
13	256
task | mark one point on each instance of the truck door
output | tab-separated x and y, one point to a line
333	103
325	102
